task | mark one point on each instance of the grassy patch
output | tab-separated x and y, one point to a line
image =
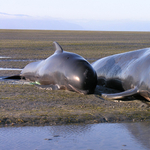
26	104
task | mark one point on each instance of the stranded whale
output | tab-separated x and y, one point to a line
128	72
63	70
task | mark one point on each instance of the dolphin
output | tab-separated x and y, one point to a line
129	72
62	70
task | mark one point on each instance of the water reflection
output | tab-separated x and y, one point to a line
17	60
10	69
4	57
91	136
140	131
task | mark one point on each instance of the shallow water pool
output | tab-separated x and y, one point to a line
11	69
108	136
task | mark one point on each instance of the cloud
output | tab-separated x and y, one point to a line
1	13
12	15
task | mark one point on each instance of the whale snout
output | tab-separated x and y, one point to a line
85	78
89	80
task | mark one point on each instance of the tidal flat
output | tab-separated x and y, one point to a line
25	104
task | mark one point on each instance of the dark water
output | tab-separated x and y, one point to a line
108	136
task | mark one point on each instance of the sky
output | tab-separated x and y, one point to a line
101	15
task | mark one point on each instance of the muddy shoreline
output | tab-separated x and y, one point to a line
26	104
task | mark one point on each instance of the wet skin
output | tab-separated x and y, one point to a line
64	70
129	72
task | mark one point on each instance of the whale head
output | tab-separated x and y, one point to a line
79	74
67	70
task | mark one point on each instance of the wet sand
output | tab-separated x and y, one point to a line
26	104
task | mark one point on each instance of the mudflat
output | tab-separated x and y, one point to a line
26	104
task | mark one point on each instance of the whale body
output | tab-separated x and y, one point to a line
129	72
65	70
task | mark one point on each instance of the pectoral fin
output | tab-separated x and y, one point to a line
121	95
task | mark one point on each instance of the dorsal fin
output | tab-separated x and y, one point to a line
58	48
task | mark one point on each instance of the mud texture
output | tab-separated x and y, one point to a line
25	104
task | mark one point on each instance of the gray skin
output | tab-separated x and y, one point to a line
63	70
129	72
